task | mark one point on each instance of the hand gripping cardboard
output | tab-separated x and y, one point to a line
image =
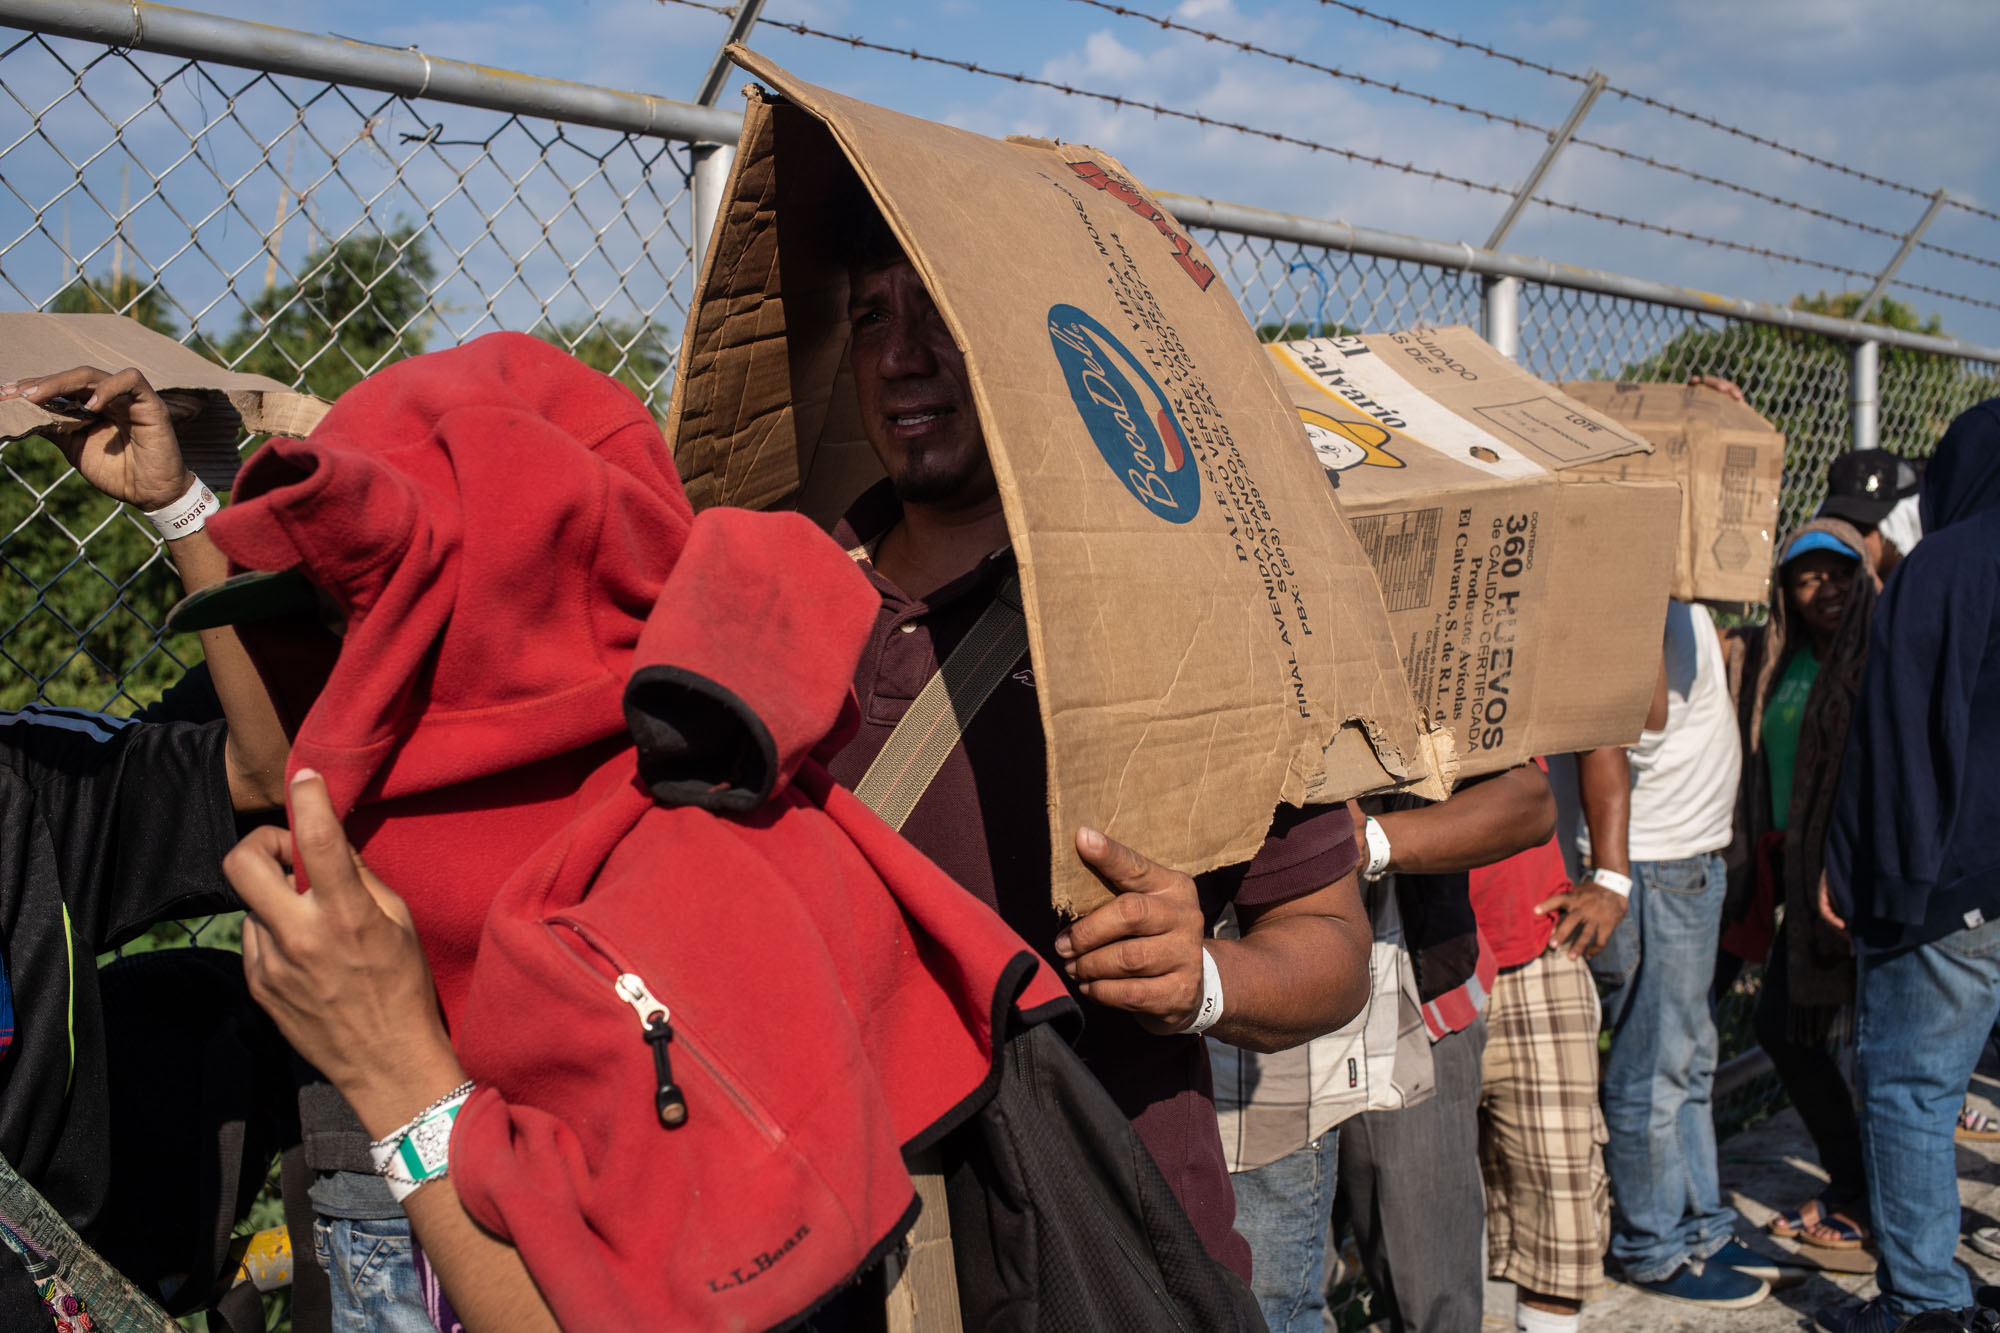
211	406
1207	637
1528	606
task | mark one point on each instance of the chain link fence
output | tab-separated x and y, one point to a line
314	231
307	231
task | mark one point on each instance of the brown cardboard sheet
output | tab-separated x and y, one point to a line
212	406
1207	637
1528	609
1730	463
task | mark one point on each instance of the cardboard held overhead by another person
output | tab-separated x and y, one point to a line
1454	467
1206	634
1730	463
211	405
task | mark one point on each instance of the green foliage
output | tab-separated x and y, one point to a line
638	354
82	586
1799	382
357	306
143	301
1296	330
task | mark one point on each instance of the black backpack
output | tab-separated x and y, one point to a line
1060	1220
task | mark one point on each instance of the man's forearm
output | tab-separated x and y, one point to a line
257	746
1478	826
490	1288
1604	785
1291	978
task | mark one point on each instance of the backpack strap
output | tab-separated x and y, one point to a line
920	1281
937	719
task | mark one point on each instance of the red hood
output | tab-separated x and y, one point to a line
498	522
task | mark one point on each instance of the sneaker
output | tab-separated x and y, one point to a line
1986	1240
1866	1318
1714	1285
1743	1259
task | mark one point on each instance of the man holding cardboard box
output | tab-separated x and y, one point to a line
934	540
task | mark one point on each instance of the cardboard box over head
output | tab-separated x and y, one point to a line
211	406
1529	611
1730	463
1206	634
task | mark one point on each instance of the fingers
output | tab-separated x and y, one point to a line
88	388
1143	956
1125	870
1139	995
255	868
1136	913
1556	902
326	859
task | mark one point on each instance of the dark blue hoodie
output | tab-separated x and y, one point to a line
1914	852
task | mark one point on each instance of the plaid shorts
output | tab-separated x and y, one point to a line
1541	1134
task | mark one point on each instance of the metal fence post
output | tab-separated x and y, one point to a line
706	187
1500	298
1864	360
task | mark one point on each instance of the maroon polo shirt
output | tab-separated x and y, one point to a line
984	820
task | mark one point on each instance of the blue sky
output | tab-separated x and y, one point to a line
1904	91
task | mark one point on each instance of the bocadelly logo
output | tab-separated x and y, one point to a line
1130	422
1098	178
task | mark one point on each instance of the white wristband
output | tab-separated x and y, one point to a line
420	1150
1378	849
1209	1010
187	515
1612	880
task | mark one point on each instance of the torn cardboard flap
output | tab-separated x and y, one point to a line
1206	634
212	406
1528	609
1730	463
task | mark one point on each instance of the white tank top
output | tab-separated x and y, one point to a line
1684	775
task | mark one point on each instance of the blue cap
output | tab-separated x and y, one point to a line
1818	541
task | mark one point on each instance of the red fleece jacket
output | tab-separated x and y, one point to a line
525	594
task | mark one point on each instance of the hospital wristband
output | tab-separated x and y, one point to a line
1378	849
1612	881
1208	1011
421	1150
185	516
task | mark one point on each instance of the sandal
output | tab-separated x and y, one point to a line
1791	1223
1975	1126
1835	1231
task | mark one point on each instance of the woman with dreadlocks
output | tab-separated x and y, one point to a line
1796	685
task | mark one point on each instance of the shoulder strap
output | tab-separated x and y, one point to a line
938	717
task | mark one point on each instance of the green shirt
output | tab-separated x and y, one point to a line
1782	716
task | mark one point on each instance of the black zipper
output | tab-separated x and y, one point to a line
656	1026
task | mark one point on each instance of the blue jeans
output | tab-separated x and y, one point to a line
1920	1019
1283	1210
373	1273
1655	974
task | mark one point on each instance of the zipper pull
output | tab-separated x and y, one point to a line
655	1020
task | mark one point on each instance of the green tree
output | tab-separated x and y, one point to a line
144	301
357	306
1799	382
638	354
83	586
1296	330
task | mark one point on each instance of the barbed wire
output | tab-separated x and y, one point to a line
1501	118
1643	99
1367	159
